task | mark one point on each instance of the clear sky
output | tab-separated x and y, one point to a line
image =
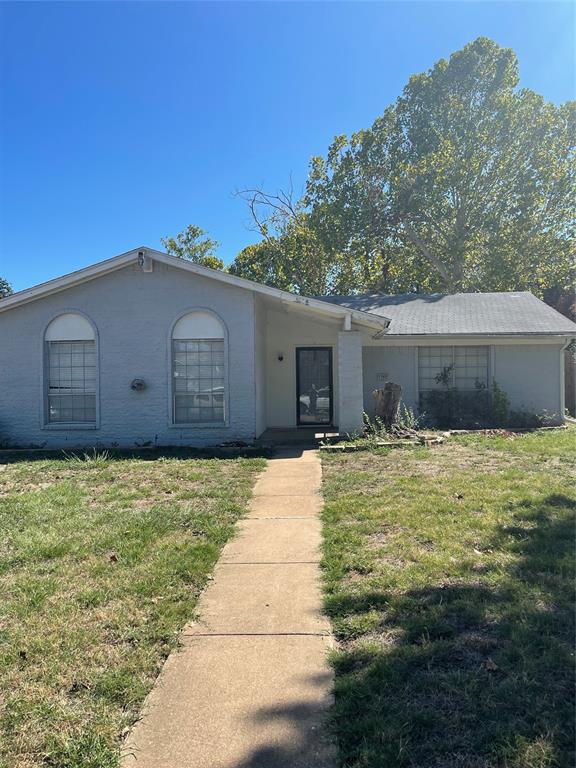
124	122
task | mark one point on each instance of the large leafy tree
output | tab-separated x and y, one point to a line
466	182
193	244
5	288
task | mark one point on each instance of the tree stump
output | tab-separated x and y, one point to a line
388	403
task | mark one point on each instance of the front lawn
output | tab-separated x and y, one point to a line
101	564
449	577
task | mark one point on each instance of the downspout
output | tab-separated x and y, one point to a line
563	379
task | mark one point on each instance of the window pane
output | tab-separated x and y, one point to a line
471	368
435	368
71	381
197	376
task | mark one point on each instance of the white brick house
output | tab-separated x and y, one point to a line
147	349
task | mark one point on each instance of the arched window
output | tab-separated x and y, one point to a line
70	370
198	369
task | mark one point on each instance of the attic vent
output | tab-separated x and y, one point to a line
145	262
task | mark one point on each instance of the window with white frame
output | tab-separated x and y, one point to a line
198	370
465	368
71	371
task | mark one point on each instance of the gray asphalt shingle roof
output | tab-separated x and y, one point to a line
462	313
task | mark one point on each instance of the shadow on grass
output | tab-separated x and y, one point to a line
474	672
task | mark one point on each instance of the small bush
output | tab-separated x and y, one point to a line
373	426
407	419
94	457
526	420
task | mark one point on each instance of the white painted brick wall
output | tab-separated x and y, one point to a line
133	312
350	388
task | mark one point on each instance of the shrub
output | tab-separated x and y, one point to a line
500	404
477	409
454	408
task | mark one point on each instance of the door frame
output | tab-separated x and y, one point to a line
328	349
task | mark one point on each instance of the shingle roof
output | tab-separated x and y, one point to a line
462	313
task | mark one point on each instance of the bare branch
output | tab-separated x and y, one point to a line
270	212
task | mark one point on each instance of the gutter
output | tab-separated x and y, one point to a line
509	334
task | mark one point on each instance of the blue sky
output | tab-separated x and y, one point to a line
124	122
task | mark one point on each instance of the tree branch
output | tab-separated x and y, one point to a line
427	253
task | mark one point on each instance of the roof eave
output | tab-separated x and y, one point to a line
69	280
77	277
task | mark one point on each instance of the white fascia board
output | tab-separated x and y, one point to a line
471	338
68	280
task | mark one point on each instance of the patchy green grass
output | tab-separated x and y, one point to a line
449	576
101	564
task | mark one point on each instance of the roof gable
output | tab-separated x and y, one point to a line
143	256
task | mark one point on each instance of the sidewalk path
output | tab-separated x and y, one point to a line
251	685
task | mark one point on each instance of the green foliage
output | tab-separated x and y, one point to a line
262	263
474	177
293	260
373	426
445	376
451	407
407	419
5	288
465	183
193	245
480	408
500	404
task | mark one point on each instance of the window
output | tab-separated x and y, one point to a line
71	371
198	370
465	368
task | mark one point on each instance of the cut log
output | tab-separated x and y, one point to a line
388	403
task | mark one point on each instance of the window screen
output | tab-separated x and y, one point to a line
71	382
198	375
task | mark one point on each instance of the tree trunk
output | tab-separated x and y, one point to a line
388	403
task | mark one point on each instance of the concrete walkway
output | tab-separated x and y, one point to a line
251	685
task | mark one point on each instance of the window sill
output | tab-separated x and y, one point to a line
67	427
201	425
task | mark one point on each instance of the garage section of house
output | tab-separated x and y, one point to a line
147	349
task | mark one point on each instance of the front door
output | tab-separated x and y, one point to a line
314	385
